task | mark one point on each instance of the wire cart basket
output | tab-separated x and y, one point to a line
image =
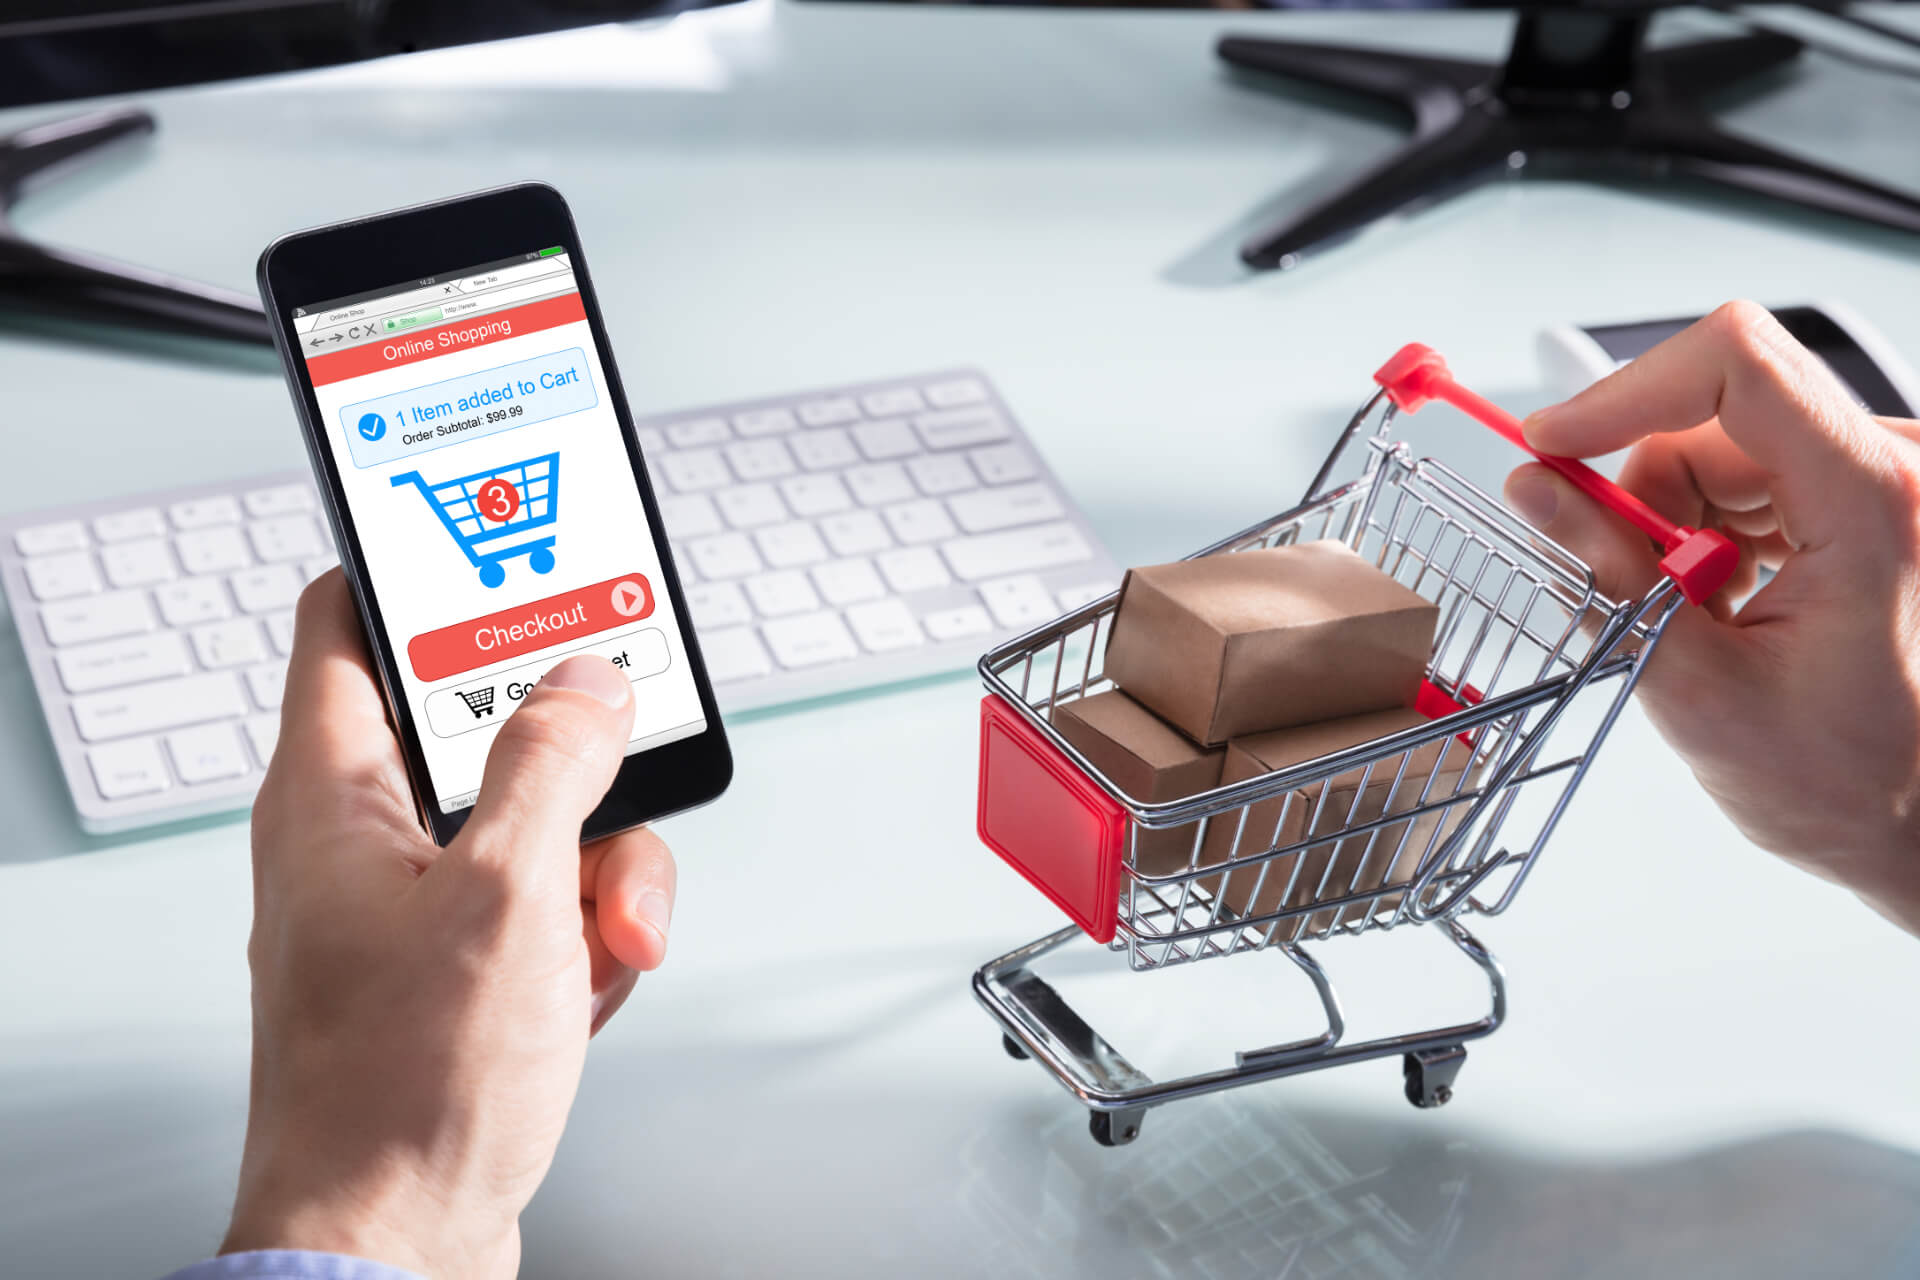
490	531
1530	667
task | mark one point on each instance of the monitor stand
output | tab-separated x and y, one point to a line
46	281
1580	94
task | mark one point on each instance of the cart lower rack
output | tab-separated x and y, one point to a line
1531	666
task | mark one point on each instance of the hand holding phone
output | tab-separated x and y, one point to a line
421	1015
488	495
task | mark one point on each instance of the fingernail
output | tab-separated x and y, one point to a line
1535	497
595	677
655	910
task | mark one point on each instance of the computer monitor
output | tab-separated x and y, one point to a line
1579	94
60	49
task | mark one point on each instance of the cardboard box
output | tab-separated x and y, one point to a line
1148	759
1248	641
1282	749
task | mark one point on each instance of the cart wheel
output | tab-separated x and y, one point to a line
1114	1128
1429	1074
1013	1047
491	574
541	560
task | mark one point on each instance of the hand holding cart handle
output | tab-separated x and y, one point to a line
1700	561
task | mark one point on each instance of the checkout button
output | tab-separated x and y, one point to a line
482	703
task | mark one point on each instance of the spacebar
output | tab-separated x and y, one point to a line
1040	546
164	704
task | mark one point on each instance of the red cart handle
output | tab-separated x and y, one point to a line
1698	560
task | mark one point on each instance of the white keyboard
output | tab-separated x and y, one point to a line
828	541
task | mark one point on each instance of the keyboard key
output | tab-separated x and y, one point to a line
219	549
774	594
1018	602
878	485
718	604
892	400
942	473
890	439
884	625
764	422
50	539
815	495
207	753
990	555
1073	597
196	600
1004	464
233	643
855	533
699	431
959	391
913	569
285	538
786	546
683	563
691	470
119	526
107	664
750	505
1003	508
137	564
273	586
922	521
130	768
650	441
163	704
314	566
955	624
760	459
726	555
825	413
62	576
281	500
824	450
280	632
263	733
267	683
959	428
117	613
810	639
198	513
844	582
734	653
689	515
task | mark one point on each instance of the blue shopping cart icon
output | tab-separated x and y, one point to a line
490	513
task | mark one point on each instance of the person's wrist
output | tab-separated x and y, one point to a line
399	1225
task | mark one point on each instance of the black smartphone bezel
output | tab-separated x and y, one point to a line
448	236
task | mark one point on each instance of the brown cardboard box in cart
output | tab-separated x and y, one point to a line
1365	861
1148	759
1248	641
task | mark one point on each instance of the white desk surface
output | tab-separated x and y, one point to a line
1711	1064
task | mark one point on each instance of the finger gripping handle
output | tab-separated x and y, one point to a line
1700	561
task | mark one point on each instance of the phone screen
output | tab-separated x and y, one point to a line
497	508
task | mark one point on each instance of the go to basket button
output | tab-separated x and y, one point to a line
541	625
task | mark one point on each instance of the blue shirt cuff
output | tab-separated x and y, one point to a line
291	1264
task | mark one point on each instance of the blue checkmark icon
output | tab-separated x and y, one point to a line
372	426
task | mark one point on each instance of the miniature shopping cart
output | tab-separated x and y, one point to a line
490	513
1530	667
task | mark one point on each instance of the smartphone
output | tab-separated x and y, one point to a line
1576	357
458	396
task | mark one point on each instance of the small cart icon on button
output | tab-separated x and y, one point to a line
632	598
